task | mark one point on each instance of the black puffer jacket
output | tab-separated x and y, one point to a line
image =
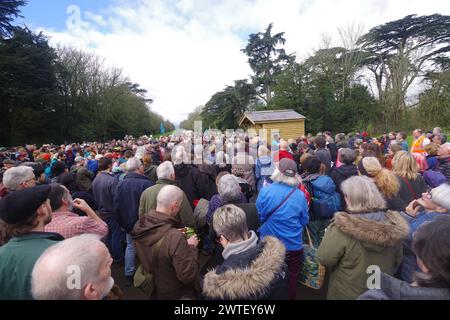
339	175
206	181
262	269
187	179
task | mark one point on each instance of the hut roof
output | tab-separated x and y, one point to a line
271	115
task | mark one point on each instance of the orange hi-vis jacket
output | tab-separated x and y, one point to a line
417	146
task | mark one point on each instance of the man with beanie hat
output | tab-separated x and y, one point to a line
25	212
433	204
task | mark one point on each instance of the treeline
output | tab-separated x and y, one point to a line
64	94
363	83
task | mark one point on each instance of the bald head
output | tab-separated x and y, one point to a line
169	200
74	269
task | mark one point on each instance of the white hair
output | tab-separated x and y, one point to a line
165	170
263	151
179	155
133	164
50	276
229	189
277	176
13	177
362	195
231	222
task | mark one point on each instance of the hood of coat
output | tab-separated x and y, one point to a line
321	183
253	281
208	169
138	176
265	161
150	169
346	171
150	227
181	170
374	233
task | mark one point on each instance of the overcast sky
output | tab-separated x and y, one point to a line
183	51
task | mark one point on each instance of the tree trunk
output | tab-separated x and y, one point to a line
268	93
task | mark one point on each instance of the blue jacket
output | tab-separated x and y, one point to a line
264	169
409	263
325	189
103	188
288	221
92	166
48	170
127	198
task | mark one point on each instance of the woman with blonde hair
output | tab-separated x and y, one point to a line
385	180
412	185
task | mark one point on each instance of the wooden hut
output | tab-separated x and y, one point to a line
289	124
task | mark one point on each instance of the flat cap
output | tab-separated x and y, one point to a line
20	205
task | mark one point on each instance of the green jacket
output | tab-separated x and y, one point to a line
148	202
353	242
84	177
17	258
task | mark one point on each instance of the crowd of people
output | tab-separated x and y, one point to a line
242	202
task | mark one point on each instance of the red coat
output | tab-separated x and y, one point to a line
283	154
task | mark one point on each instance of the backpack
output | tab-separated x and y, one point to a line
322	208
143	279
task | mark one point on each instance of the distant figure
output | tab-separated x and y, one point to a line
401	140
419	142
322	153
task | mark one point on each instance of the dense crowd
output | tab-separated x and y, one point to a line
247	204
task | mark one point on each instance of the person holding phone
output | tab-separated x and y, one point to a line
431	205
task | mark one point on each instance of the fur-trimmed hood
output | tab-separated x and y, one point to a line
251	282
372	233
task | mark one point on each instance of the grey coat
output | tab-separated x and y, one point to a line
394	289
